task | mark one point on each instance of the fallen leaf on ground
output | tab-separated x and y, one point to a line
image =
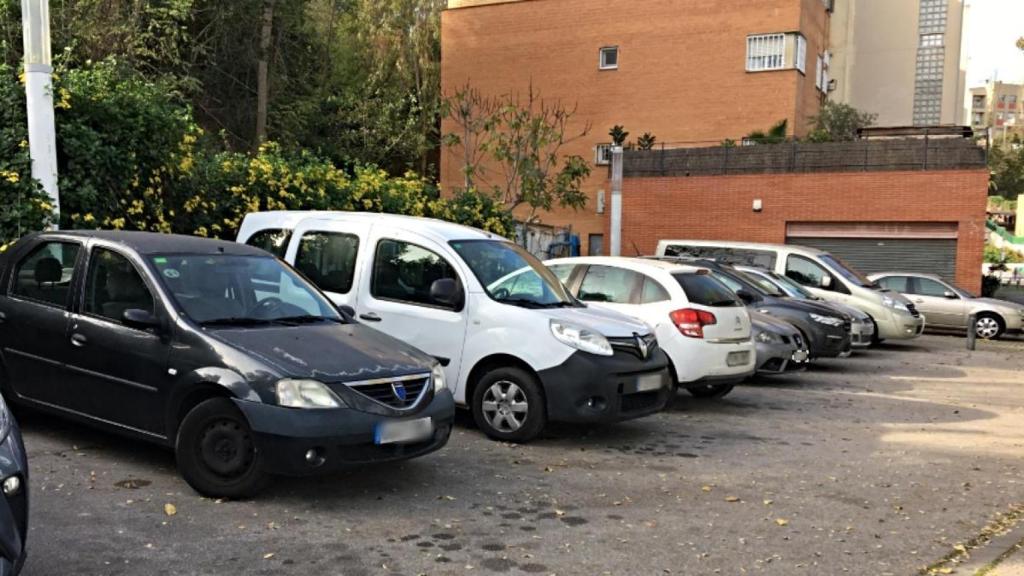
268	555
170	509
782	521
732	499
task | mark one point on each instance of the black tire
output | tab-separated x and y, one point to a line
216	454
710	390
1000	326
875	340
508	425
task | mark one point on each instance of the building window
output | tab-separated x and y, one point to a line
801	54
978	101
609	58
603	154
930	40
766	52
979	118
1011	100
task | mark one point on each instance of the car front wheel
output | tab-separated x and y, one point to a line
215	451
508	405
988	326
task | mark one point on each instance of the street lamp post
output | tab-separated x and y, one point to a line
42	139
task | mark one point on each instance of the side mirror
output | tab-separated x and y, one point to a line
347	311
142	319
951	295
826	282
745	296
446	291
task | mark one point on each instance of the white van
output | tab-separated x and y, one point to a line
516	347
822	273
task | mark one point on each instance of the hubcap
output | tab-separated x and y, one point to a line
225	448
505	406
986	327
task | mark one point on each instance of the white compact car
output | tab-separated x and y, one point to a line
516	348
700	324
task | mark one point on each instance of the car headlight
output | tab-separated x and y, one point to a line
890	302
826	320
5	420
766	337
581	338
437	375
306	394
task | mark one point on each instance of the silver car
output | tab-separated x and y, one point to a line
947	306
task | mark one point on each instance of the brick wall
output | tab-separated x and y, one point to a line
681	72
719	207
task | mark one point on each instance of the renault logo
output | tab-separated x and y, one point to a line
641	344
398	389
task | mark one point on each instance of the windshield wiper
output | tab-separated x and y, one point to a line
307	319
236	321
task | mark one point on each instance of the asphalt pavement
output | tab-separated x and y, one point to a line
889	462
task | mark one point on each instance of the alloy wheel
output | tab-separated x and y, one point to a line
505	406
986	327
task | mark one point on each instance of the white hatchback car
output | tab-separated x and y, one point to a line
699	322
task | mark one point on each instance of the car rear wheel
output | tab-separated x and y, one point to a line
988	326
216	453
508	405
710	390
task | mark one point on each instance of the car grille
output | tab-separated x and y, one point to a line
630	345
641	401
388	391
913	310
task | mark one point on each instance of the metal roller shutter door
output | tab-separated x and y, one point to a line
870	255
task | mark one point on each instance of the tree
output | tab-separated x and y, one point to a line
618	135
774	135
511	148
646	141
1006	164
838	122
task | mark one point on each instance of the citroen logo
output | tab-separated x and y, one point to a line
398	389
641	344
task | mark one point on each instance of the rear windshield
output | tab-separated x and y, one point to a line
702	289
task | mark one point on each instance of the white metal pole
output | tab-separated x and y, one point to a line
42	139
616	223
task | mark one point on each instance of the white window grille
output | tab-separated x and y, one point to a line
609	58
801	54
766	52
603	154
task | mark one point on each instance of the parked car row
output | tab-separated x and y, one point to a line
323	340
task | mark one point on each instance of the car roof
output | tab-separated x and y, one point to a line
158	243
627	262
440	229
917	274
747	245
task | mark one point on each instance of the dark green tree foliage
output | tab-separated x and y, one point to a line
646	141
618	134
838	122
1006	164
775	135
24	207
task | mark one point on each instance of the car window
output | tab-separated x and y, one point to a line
221	287
45	274
808	272
653	291
405	272
563	272
328	259
927	287
704	289
609	284
273	240
113	285
895	283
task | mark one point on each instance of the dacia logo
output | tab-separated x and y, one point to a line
641	344
398	389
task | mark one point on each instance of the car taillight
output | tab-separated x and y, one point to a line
691	322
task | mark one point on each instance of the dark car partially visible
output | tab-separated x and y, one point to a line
14	500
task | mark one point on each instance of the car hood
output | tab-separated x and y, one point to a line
606	322
760	322
329	352
802	306
995	302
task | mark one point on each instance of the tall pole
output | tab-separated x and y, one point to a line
42	139
616	219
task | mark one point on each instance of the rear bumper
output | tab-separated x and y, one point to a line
13	508
341	438
603	389
696	361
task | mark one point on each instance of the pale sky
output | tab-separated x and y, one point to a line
992	29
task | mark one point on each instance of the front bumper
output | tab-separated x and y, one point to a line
781	357
861	334
900	326
342	438
830	342
601	389
13	508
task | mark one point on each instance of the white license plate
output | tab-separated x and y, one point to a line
800	356
403	431
737	358
649	382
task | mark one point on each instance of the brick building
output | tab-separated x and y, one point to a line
684	70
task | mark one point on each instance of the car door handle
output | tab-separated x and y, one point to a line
78	340
370	317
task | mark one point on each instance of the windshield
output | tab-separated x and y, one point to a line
763	283
240	290
839	266
737	283
793	288
512	275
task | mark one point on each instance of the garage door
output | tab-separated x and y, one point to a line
871	247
